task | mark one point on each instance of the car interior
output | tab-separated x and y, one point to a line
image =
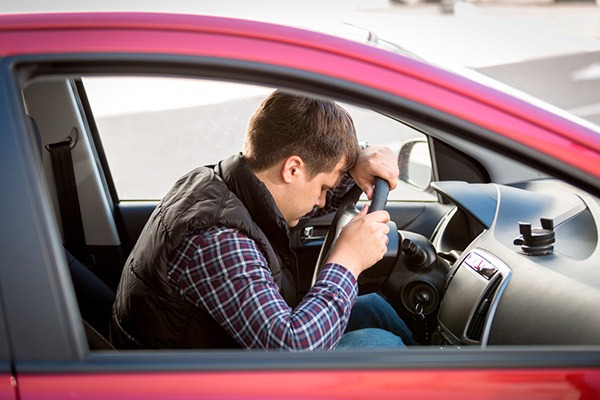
487	248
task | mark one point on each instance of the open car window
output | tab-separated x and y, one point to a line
155	129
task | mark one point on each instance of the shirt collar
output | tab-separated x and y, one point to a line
254	194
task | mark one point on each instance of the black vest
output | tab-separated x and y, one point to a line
148	312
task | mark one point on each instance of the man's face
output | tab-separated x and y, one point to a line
307	192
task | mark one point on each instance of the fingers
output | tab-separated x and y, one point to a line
380	230
391	177
381	216
367	189
375	221
375	226
375	162
383	164
383	239
362	242
364	211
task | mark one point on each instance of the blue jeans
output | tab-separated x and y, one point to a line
374	323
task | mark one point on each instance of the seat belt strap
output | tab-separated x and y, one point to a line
68	199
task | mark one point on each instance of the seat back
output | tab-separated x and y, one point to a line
94	297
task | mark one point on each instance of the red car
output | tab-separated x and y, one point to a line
499	192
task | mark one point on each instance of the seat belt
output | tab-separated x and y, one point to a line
68	199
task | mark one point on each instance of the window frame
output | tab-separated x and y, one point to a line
68	352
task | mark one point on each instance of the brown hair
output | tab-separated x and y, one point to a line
318	131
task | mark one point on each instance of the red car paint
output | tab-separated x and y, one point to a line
306	51
334	58
490	384
7	387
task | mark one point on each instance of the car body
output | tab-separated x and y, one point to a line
495	159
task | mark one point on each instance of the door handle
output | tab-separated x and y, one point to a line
310	233
313	236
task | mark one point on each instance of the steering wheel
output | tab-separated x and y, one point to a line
371	279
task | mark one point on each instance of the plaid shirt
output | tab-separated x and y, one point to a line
222	271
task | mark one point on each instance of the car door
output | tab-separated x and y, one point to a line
50	356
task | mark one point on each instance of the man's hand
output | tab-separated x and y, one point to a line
375	162
362	242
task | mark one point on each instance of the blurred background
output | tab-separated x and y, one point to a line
548	48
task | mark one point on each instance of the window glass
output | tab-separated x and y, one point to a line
154	130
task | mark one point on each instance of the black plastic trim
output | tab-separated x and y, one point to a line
370	359
5	348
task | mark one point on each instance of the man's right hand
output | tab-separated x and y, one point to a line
362	242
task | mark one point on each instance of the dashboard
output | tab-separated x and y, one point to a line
525	268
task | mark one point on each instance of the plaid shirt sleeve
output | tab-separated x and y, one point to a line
223	272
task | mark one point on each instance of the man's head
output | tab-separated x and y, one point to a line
318	131
299	146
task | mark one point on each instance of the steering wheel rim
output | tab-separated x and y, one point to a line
345	212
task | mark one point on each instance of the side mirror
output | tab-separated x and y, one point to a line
414	162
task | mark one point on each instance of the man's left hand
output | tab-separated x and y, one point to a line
375	162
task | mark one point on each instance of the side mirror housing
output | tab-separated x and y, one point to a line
414	162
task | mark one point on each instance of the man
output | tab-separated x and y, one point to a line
213	266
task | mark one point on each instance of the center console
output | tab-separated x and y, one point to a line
472	293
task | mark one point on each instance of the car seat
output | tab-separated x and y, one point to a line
95	300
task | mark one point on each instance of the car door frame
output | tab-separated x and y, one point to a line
53	359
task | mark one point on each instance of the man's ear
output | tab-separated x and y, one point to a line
292	168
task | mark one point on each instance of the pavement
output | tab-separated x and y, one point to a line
479	34
546	49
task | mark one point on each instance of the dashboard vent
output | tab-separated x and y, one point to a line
475	327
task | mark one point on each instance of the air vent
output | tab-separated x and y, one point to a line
477	323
